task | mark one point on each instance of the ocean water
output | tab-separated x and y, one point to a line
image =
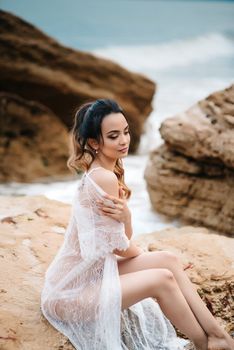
185	71
186	47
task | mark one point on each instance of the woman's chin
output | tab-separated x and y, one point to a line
123	155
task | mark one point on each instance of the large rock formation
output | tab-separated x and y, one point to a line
31	231
33	141
192	175
36	67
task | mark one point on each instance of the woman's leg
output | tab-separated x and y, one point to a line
161	284
216	336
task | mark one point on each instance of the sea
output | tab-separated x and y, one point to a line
186	47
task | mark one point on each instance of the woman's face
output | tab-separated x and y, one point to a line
116	137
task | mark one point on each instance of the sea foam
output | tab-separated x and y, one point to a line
176	53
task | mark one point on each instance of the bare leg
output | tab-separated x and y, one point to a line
160	283
217	338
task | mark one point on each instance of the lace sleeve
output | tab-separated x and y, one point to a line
98	234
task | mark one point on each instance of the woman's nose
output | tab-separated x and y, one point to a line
124	139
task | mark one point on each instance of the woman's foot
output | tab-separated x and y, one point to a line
224	342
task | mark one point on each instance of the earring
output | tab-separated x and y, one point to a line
96	151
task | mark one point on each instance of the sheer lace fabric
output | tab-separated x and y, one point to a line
82	293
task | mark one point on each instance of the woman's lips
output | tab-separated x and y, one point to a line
123	149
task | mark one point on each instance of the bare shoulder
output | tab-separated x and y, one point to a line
107	180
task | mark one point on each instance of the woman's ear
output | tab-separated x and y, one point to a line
93	143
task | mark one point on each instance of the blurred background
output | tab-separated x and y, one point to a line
185	47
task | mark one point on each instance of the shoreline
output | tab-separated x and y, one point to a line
144	219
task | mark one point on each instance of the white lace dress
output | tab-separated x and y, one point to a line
82	293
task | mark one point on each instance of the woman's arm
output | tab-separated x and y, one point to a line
109	182
131	252
128	226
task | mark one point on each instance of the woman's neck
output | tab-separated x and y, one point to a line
104	163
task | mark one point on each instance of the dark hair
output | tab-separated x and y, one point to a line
87	124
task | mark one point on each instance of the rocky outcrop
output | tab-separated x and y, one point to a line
38	68
206	131
31	231
191	176
207	257
33	141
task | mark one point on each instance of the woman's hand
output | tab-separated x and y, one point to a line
115	207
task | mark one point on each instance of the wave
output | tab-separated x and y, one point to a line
168	55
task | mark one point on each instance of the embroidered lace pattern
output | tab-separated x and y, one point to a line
81	297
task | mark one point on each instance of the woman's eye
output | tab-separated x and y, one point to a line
115	136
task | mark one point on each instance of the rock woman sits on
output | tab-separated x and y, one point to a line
101	290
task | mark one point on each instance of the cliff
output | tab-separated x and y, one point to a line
33	141
37	67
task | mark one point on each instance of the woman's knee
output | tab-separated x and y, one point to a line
171	259
163	279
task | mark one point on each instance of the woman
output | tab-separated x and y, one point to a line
98	290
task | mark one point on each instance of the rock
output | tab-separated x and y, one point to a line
208	259
33	141
27	246
205	132
194	191
38	68
30	229
191	176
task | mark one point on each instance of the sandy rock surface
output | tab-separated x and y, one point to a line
38	68
191	176
31	231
